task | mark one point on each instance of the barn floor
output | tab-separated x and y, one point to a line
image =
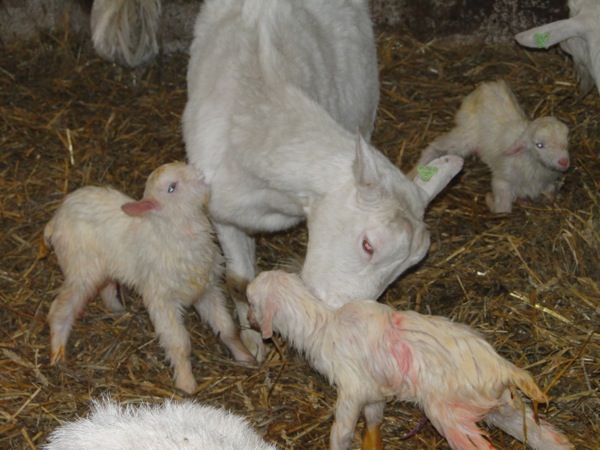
529	281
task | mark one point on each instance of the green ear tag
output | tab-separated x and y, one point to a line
541	39
426	172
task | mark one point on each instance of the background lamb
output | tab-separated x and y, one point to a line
162	246
371	352
579	36
170	425
274	104
526	157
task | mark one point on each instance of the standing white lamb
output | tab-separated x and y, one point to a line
126	31
526	157
162	246
167	426
579	36
372	352
277	90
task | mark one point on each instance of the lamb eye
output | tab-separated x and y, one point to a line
539	144
367	247
171	187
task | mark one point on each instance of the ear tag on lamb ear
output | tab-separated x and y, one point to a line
541	39
426	172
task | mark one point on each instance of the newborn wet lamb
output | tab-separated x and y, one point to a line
371	352
526	157
162	246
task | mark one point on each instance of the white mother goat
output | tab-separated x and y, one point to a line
277	90
579	36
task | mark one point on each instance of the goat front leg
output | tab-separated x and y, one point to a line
213	309
501	198
239	251
373	417
347	410
549	191
112	296
166	314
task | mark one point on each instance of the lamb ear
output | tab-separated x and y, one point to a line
516	148
141	207
552	33
435	176
365	170
266	324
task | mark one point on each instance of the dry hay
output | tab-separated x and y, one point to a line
528	281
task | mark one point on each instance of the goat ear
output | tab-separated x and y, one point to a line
365	170
436	175
141	207
516	148
552	33
266	324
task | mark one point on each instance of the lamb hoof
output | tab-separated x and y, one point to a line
252	340
187	384
57	356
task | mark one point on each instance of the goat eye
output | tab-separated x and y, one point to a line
367	247
171	187
539	144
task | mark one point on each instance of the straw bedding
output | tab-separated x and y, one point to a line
529	281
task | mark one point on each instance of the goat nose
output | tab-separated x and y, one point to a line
563	162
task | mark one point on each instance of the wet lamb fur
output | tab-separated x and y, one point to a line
371	352
162	246
526	157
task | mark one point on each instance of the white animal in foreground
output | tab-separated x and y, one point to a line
579	36
162	246
276	92
126	31
526	157
171	425
372	352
